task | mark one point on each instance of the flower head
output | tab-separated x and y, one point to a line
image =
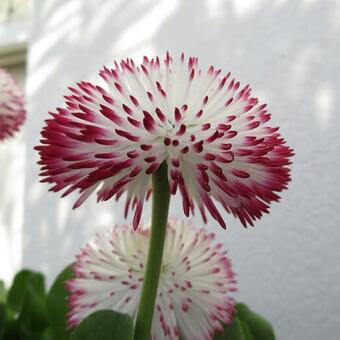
195	282
12	110
210	131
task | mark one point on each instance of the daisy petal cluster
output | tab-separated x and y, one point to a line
193	297
210	131
12	105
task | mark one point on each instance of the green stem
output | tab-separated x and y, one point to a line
160	209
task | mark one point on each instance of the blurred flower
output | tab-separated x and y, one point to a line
12	110
210	131
193	292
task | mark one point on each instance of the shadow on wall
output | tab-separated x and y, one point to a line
286	49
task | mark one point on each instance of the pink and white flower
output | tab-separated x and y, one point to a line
212	134
193	297
12	105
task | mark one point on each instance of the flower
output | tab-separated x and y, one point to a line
193	292
12	110
210	131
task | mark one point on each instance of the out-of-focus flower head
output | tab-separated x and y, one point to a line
12	105
196	280
212	134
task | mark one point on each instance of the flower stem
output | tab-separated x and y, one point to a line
160	209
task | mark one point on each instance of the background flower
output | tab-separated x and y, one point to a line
12	109
195	283
210	131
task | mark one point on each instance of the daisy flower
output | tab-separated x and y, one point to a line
12	105
193	297
210	131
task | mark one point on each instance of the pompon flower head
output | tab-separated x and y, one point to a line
12	109
210	131
193	297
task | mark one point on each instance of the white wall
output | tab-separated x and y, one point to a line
13	36
289	51
13	9
12	170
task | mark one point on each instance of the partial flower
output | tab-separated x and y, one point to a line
212	134
12	105
196	280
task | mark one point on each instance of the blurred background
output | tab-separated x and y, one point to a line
14	21
288	50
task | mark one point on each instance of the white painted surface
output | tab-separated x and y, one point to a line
14	32
13	22
289	51
13	36
12	171
13	9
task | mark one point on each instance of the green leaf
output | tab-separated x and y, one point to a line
3	292
3	318
238	330
104	325
33	312
16	294
12	330
246	331
15	331
37	282
26	300
56	305
260	328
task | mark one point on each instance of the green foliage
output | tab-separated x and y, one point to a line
238	330
247	325
3	293
27	312
259	326
3	317
12	330
104	325
56	306
32	316
17	293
